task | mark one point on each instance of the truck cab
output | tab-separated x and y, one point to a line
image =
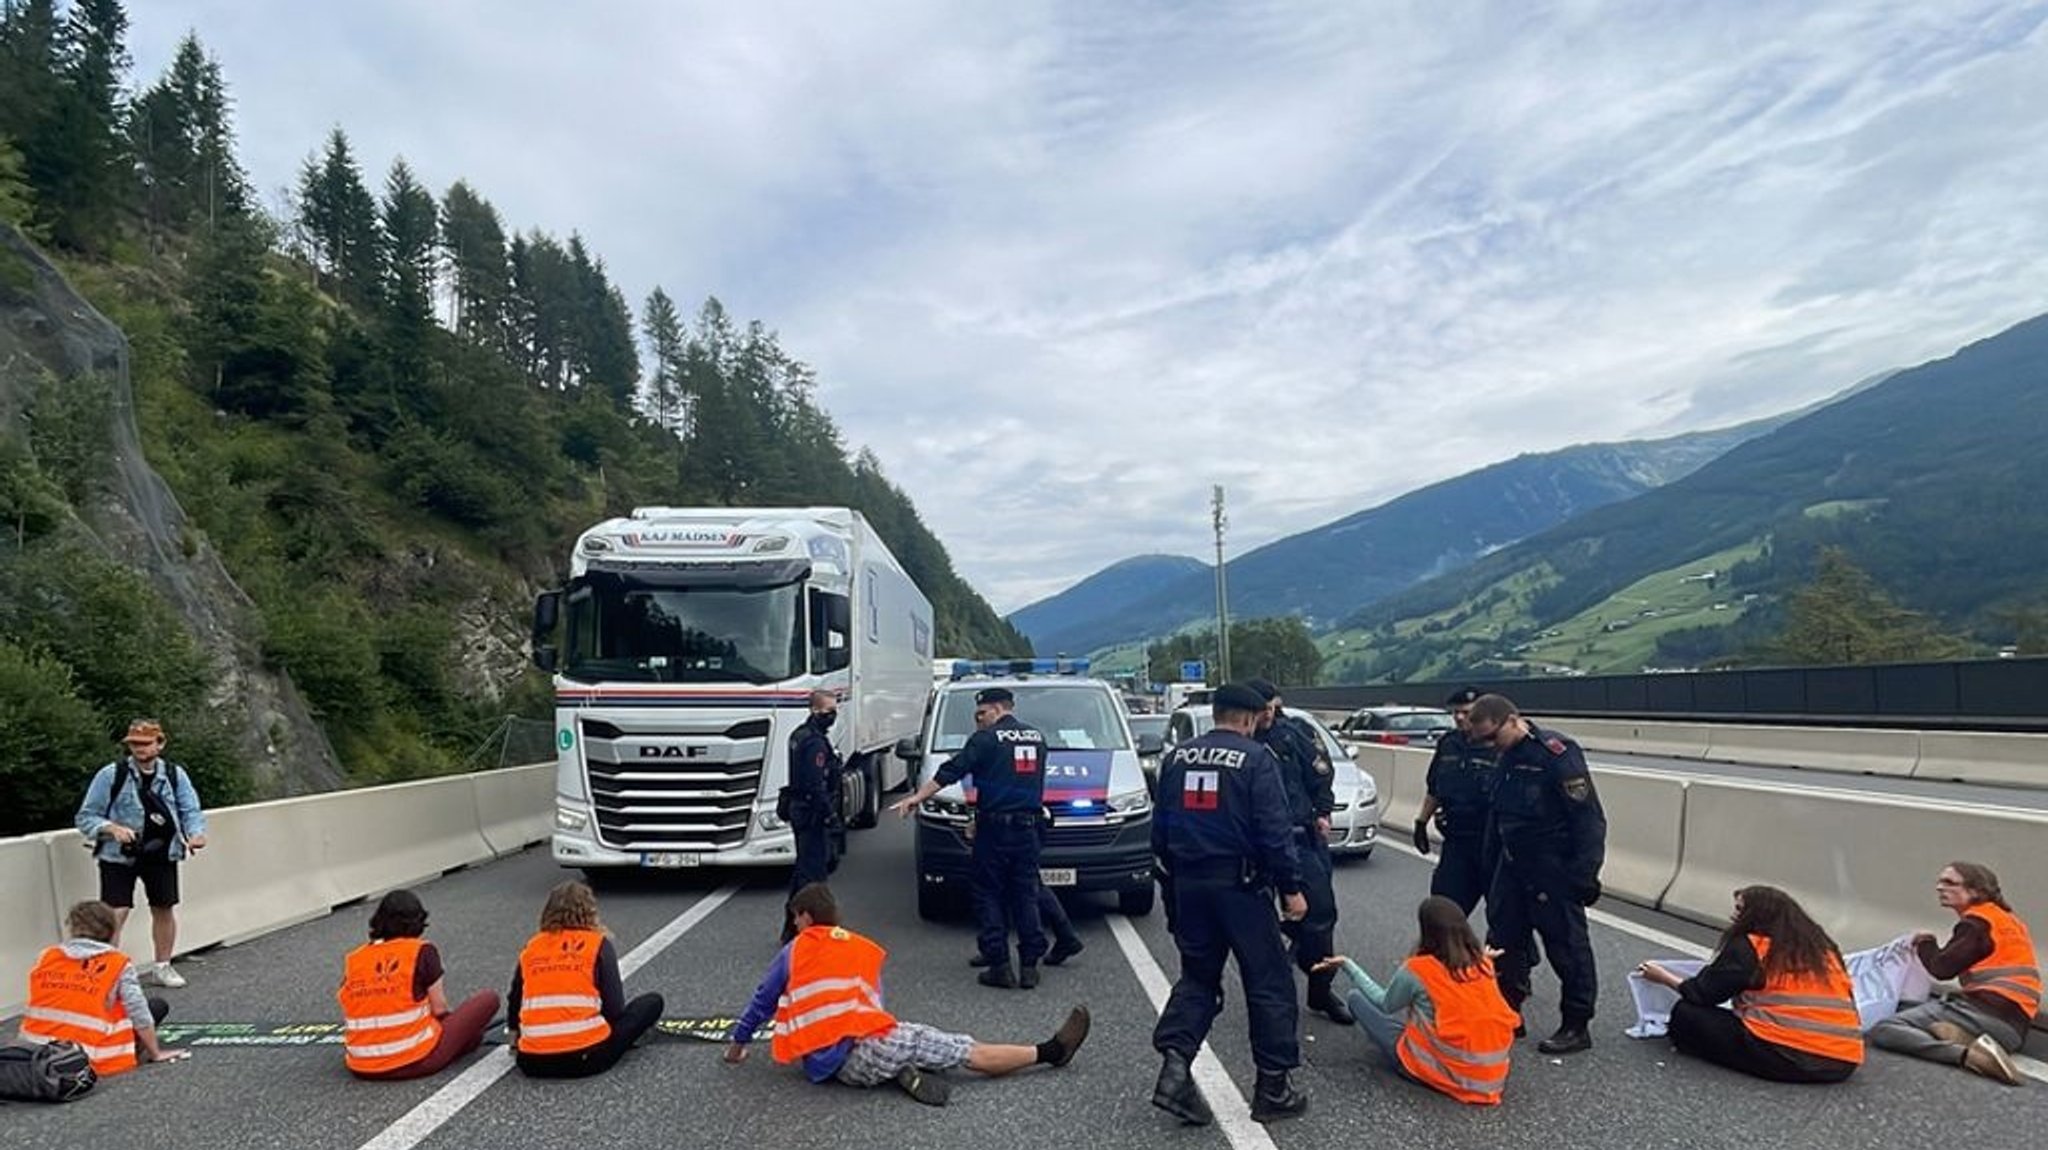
1098	830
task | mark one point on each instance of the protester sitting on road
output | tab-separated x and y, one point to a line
824	991
567	1009
85	991
1991	954
1440	1020
394	1001
1793	1016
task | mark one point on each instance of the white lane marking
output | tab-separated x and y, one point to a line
2031	1067
413	1127
1233	1115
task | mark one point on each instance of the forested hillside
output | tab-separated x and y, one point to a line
387	412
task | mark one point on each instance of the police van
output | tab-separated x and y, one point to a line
1355	823
1098	834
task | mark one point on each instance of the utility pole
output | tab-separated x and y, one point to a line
1222	591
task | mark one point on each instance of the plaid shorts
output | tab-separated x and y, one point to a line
873	1061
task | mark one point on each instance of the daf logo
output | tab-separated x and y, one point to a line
673	752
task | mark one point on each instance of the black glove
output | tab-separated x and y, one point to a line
1422	835
1586	892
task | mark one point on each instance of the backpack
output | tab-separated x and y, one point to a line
121	776
45	1072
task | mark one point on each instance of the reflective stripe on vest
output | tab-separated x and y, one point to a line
1461	1045
560	1010
2009	970
385	1026
1815	1014
78	1000
832	993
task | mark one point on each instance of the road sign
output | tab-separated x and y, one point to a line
1193	671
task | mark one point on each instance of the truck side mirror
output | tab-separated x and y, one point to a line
906	749
544	657
547	611
839	614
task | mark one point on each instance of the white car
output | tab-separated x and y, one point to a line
1355	823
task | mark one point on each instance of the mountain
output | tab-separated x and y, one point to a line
1329	572
1103	594
1929	479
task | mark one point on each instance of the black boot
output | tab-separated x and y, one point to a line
978	961
1175	1091
1324	1002
1027	976
1570	1038
1064	949
1276	1098
998	975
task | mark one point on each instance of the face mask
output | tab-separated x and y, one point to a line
825	719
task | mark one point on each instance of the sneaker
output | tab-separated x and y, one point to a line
1986	1057
161	974
929	1089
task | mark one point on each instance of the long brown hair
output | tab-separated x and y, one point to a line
571	906
1982	884
1798	944
1447	936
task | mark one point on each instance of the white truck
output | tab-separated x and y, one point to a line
690	642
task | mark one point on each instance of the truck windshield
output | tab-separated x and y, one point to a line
637	629
1071	718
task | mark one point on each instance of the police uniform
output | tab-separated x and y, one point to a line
1007	761
1461	778
1552	837
1305	773
813	764
1221	830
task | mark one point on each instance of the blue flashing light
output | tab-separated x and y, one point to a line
1002	668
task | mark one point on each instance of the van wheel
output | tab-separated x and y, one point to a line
1136	901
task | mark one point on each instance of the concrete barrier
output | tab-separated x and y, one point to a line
384	837
1400	785
1631	737
1984	757
30	910
1645	830
515	807
1862	865
1875	752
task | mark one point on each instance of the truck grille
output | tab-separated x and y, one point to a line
673	784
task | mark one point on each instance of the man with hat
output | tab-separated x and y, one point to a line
1221	830
1307	775
1460	802
1007	761
140	818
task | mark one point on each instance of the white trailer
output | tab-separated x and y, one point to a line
690	642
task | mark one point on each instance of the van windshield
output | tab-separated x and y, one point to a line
1071	718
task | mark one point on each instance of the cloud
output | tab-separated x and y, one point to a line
1065	266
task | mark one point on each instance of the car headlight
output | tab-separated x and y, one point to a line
951	809
568	820
1131	802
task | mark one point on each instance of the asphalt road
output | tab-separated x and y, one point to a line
1623	1094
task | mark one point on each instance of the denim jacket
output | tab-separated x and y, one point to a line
180	798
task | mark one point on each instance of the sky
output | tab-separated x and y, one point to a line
1065	266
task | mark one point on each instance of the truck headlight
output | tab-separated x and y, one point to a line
569	820
1131	802
768	822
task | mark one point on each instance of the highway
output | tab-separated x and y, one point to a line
701	939
1944	790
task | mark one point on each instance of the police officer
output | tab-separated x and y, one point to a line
1007	760
1305	772
813	764
1221	830
1460	799
1552	838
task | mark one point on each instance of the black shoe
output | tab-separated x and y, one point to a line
1276	1098
998	975
929	1089
1332	1008
1069	1037
978	961
1569	1039
1063	950
1175	1091
1027	976
1521	1031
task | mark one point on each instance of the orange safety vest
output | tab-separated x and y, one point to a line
559	1007
384	1026
834	992
77	1000
1807	1012
2010	971
1463	1050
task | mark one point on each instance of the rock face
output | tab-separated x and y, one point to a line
46	327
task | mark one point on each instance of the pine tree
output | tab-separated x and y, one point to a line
1844	617
480	273
412	232
340	217
662	399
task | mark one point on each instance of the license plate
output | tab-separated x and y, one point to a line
1056	876
670	859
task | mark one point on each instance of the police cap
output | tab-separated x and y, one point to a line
1463	697
989	695
1237	697
1267	691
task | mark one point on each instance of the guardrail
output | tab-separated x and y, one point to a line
1862	864
268	865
